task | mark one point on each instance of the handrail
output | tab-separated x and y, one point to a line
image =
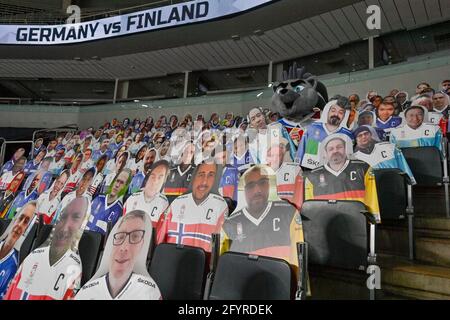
2	151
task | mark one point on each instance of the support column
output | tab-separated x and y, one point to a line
371	53
279	71
120	90
186	83
123	89
116	84
270	73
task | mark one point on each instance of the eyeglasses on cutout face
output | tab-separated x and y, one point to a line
134	237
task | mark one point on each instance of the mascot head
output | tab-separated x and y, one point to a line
298	94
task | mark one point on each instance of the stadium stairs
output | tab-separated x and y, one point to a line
427	277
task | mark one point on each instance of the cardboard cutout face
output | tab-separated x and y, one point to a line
16	182
262	187
155	180
205	181
68	229
19	227
335	150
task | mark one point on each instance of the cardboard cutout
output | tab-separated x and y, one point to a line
262	224
107	208
8	196
340	178
34	187
194	216
122	274
53	271
416	131
11	242
335	112
150	199
48	202
180	176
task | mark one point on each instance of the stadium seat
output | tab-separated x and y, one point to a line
392	193
247	277
180	271
425	164
91	243
231	205
395	199
430	168
4	223
336	232
27	244
337	235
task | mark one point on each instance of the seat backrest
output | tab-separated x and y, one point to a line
4	223
245	277
27	244
43	235
179	271
336	233
425	164
392	193
89	248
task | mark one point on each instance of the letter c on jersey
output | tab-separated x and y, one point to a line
207	214
60	277
276	221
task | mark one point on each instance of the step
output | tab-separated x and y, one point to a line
429	202
338	284
414	279
433	223
433	250
432	240
400	279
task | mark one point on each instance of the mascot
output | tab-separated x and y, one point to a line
298	98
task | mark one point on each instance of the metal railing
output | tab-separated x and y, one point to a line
66	128
2	140
3	148
446	179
